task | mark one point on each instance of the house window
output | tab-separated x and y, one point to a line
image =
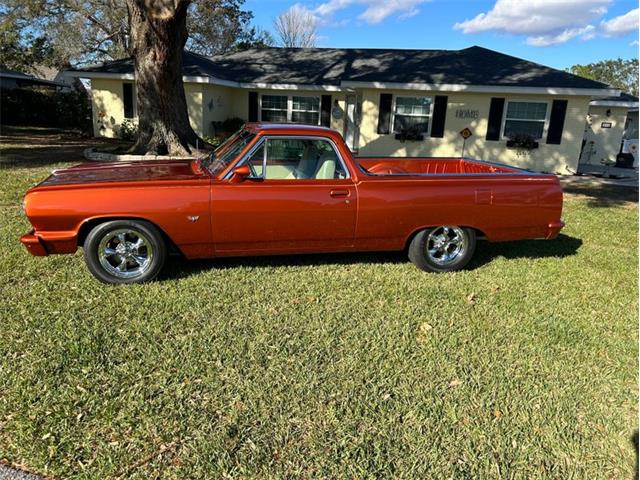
305	110
412	112
128	99
293	109
525	118
274	108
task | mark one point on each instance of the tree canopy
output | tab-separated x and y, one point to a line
60	33
618	73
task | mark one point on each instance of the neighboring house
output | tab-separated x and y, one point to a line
373	96
10	79
610	121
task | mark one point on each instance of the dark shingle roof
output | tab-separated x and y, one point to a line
623	98
24	79
331	66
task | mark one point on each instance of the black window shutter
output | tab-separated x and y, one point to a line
556	122
127	99
495	119
325	110
384	118
439	116
253	106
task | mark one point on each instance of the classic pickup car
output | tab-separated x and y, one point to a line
285	189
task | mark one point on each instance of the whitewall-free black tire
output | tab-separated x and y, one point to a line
125	251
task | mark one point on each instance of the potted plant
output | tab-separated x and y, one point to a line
522	141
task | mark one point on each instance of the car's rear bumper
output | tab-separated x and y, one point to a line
553	229
53	242
33	244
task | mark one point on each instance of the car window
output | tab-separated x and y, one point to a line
298	159
256	161
228	151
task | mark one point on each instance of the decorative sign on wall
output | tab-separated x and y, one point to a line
465	133
466	113
336	112
605	125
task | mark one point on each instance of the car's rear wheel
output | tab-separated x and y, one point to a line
442	249
125	251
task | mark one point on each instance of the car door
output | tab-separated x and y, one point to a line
299	198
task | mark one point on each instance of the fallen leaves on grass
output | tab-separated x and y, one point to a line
424	332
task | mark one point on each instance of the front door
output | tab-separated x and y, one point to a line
352	122
298	198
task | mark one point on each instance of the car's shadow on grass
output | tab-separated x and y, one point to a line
486	252
562	246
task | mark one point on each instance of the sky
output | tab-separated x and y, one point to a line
558	33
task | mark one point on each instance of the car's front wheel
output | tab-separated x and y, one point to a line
125	251
443	249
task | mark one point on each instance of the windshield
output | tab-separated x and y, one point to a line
228	151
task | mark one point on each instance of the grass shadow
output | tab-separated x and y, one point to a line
486	252
636	444
560	247
177	267
30	147
603	195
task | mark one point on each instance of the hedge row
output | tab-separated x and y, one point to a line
43	108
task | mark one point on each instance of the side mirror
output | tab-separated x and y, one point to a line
239	174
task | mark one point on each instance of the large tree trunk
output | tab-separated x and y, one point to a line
158	35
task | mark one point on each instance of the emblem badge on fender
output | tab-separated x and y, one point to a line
193	218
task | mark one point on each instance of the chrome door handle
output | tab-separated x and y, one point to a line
339	193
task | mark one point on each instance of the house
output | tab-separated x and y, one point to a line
610	122
11	79
384	102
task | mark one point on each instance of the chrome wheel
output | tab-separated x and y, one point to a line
125	253
446	244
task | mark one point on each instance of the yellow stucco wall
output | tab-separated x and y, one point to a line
193	94
561	158
217	103
606	141
108	106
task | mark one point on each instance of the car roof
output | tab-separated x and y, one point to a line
284	128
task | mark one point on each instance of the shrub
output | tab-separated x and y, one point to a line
215	141
46	108
128	130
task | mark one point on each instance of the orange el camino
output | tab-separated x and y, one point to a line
285	189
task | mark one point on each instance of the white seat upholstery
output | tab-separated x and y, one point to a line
308	162
326	169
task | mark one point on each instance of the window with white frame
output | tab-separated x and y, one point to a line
525	118
274	108
291	108
412	112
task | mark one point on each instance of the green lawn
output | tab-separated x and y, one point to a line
341	366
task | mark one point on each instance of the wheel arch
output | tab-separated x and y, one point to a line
89	224
479	232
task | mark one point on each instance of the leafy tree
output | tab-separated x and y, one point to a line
20	49
75	31
618	73
78	32
217	26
